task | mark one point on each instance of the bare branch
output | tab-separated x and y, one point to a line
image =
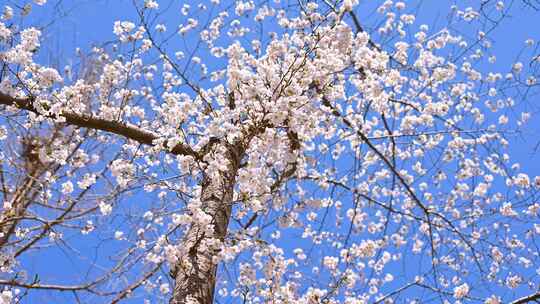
527	299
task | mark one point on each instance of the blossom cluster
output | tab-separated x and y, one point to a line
318	164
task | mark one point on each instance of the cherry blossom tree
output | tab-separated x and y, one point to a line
285	151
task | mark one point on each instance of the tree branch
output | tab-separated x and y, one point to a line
527	299
87	287
90	122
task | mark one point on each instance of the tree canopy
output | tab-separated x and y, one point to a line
293	151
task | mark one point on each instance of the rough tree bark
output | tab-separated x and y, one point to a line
196	278
195	274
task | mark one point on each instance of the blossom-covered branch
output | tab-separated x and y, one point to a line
88	121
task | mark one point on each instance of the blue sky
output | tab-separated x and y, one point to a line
86	23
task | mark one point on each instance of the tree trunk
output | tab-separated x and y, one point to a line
19	203
195	274
22	198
